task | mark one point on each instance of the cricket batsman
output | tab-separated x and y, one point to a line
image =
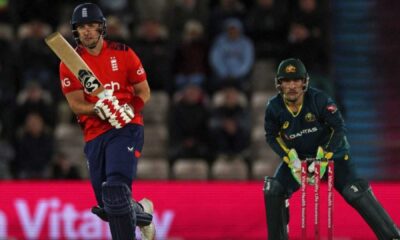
113	125
299	121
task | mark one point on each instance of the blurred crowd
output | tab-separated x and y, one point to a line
208	58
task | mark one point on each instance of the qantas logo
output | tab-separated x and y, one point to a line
302	132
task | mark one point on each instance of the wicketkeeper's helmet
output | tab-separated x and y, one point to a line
87	13
291	68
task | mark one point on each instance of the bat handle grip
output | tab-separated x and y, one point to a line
102	93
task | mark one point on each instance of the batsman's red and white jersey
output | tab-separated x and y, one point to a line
118	68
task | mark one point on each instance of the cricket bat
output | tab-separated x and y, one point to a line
75	64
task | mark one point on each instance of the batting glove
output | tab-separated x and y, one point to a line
122	116
294	163
106	105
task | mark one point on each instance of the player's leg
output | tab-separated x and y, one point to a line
118	206
95	154
358	194
122	156
276	211
277	190
122	149
143	218
146	208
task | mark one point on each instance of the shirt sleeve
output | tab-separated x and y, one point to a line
217	59
272	132
333	118
69	82
136	72
247	59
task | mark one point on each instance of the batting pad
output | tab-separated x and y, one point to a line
118	206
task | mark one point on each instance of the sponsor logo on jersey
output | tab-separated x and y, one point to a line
290	69
137	154
331	108
114	64
112	85
302	132
310	117
66	82
140	71
285	125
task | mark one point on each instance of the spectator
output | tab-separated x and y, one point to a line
268	28
33	98
63	168
230	123
150	9
308	36
220	13
183	11
153	48
191	57
42	10
34	148
232	57
117	30
65	30
35	59
188	125
308	40
124	9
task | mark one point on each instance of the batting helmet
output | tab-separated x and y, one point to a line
291	68
87	13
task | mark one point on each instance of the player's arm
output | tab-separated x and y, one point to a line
106	108
142	95
138	78
332	116
73	91
289	156
272	135
78	104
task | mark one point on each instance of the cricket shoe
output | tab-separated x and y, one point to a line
147	232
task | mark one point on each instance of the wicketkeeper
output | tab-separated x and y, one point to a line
299	120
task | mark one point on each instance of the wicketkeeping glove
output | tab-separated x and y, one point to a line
294	163
323	157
